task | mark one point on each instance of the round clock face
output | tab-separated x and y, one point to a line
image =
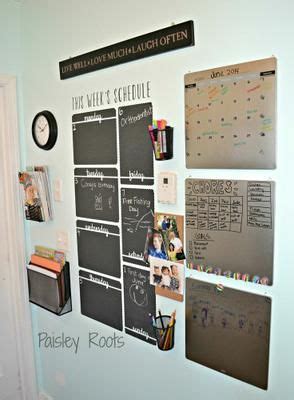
44	130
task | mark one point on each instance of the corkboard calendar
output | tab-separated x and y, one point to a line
230	116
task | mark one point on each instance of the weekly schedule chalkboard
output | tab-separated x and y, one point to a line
111	229
101	299
96	191
139	299
136	154
137	207
99	247
94	137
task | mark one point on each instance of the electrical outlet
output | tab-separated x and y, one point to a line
44	396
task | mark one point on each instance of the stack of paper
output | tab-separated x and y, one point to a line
36	193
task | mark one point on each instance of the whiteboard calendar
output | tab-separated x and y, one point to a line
230	116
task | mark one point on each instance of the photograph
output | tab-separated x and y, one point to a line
167	275
170	226
155	245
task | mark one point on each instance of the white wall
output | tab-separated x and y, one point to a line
227	32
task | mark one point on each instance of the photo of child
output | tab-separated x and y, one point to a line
167	275
175	279
157	276
154	246
171	228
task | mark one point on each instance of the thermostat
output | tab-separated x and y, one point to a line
167	187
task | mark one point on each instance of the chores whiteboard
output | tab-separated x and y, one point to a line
230	116
230	225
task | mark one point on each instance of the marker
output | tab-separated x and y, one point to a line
161	320
264	280
256	279
217	271
150	129
164	141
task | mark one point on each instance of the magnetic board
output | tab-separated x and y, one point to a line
101	299
139	300
96	191
228	330
99	247
94	137
230	116
230	225
136	154
137	207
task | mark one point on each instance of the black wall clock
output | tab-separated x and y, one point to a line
44	130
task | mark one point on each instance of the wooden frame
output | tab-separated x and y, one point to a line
16	241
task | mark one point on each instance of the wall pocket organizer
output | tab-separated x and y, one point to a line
50	290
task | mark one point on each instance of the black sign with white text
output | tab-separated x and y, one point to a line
160	41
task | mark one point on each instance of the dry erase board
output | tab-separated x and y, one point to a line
230	225
99	247
228	331
230	115
94	137
96	191
139	299
101	299
137	207
136	154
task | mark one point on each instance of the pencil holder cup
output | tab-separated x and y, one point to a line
164	332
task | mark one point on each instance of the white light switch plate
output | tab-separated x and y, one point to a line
62	241
57	190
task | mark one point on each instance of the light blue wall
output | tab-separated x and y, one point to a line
10	57
227	32
11	51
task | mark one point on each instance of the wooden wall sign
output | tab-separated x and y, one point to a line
172	38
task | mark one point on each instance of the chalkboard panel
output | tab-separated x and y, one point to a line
228	330
230	225
101	299
139	299
137	215
130	260
97	193
137	181
94	137
136	154
99	247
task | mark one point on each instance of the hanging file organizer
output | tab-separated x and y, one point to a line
49	289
